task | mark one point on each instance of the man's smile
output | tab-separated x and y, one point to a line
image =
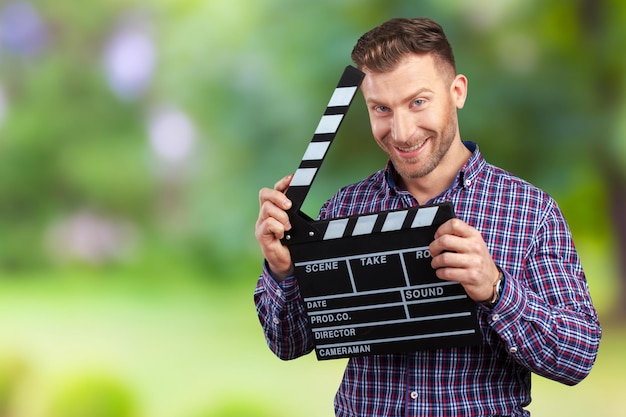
411	151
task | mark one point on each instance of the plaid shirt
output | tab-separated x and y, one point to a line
544	321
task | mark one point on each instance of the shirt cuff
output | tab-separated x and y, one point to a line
506	315
279	292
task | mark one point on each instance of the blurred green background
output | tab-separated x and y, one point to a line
135	135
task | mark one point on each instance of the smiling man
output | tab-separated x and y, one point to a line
412	110
509	247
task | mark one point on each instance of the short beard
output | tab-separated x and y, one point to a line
446	140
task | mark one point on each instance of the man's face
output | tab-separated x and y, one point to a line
412	111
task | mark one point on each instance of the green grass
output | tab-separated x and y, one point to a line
187	349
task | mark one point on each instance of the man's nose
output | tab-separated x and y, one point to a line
402	127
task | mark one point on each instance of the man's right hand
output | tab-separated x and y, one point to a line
271	226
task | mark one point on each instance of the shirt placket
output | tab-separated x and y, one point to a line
417	386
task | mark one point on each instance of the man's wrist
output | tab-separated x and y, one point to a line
497	291
280	276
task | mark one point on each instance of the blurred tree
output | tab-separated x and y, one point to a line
605	35
67	142
243	85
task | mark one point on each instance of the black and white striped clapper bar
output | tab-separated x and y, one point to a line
366	280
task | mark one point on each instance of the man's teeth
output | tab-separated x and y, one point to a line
413	148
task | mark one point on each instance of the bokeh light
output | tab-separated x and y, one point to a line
172	134
22	30
130	58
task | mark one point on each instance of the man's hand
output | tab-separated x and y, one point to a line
271	226
460	254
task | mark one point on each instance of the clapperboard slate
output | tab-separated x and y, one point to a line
366	281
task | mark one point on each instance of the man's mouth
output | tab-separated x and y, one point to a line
410	149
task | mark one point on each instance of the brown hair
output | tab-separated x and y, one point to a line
381	48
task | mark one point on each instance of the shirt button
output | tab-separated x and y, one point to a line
468	183
513	349
279	293
275	320
495	317
414	395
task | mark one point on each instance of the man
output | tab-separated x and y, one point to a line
509	247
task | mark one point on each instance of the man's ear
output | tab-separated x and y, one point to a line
458	90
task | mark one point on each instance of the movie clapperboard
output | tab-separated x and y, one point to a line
366	281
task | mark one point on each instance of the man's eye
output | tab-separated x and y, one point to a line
381	109
419	102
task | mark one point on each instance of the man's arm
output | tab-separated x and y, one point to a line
546	317
271	226
277	296
282	316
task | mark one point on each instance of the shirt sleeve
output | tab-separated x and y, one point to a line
282	316
545	316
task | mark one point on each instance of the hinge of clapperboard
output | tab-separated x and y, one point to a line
303	227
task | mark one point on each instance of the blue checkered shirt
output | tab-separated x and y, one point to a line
544	322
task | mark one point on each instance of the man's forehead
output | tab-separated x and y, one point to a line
416	65
419	71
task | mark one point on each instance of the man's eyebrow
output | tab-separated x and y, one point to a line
418	92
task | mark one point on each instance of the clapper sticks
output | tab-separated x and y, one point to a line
366	280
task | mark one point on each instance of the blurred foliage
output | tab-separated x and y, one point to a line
135	135
237	408
249	77
13	371
94	396
546	99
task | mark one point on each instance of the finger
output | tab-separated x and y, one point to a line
475	283
276	197
283	183
447	274
448	243
269	232
278	257
270	210
456	227
273	228
451	260
459	275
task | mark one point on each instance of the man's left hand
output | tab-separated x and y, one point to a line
460	254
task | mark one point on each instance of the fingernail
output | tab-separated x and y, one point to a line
287	204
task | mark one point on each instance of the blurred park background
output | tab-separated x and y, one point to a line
135	135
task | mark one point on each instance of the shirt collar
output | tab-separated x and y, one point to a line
465	178
468	175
